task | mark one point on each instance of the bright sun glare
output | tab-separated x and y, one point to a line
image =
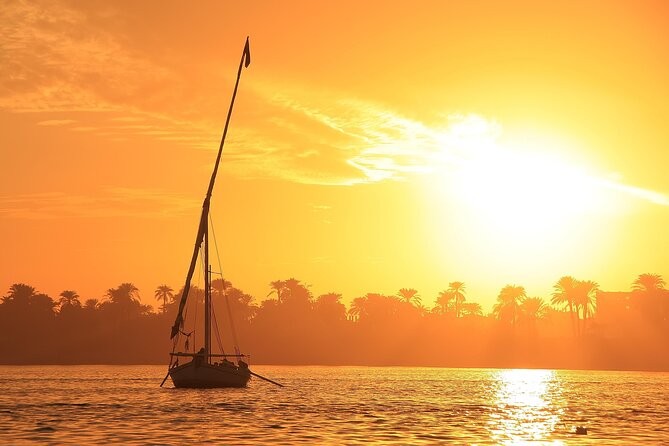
525	194
516	189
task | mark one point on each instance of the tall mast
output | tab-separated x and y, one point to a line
207	298
203	227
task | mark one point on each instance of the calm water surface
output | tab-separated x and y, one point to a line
334	405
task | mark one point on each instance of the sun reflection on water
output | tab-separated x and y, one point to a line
528	407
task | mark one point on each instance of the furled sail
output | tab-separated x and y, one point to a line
202	229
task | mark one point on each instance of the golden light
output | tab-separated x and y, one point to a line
525	197
520	189
528	406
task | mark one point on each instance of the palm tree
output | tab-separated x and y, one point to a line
648	282
220	285
409	295
329	298
329	307
91	304
358	308
444	302
69	298
651	297
164	293
457	289
19	293
508	302
296	292
277	286
124	293
533	309
125	298
586	291
25	300
565	295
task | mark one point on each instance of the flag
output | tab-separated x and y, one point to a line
247	54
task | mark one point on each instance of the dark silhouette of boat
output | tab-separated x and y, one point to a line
202	373
205	369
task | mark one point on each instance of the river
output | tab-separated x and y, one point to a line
334	405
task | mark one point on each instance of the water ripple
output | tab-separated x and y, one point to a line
334	405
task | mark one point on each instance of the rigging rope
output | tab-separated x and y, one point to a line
225	295
218	336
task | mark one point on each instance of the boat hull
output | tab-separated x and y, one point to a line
207	376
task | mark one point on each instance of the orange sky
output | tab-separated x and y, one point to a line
374	145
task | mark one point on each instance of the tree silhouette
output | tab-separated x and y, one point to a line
586	291
508	302
565	296
409	295
24	300
651	297
531	310
457	289
124	301
91	304
357	308
19	293
329	308
444	299
123	294
648	283
378	329
27	319
295	292
69	298
164	293
277	286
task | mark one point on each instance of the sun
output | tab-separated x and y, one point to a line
524	195
514	206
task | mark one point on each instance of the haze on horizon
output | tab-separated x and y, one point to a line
374	146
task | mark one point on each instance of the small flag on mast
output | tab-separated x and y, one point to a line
247	54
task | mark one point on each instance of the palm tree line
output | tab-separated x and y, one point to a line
292	325
576	297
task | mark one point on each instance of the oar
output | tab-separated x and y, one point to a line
266	379
165	379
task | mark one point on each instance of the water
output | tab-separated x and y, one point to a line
334	405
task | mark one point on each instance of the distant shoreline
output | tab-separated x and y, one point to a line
567	369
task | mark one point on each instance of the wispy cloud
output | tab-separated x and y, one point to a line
56	60
383	145
56	122
111	202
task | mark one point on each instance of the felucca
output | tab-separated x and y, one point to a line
204	369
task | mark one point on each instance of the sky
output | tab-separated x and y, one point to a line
373	146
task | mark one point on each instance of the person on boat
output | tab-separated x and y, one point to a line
227	363
242	364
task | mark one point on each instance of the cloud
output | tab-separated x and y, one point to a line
56	122
127	119
637	192
111	202
383	145
56	59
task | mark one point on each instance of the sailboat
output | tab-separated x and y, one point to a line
204	369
